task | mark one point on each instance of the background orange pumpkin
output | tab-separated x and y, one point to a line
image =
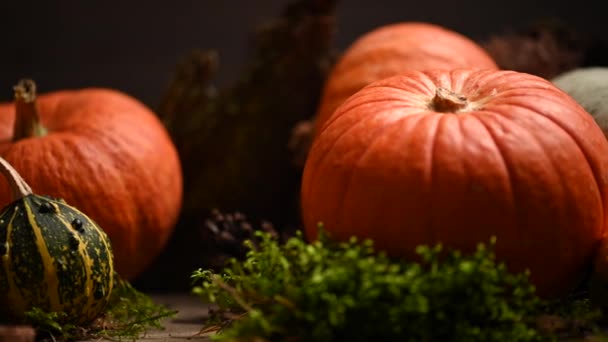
394	48
103	152
457	157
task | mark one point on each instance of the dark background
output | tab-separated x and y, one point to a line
133	45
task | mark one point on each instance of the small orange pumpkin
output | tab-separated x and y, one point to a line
392	49
104	152
456	157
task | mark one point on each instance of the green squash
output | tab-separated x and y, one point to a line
52	257
589	87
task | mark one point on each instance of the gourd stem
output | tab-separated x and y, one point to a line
27	121
447	101
19	188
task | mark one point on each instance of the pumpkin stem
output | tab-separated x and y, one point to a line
447	101
27	122
19	188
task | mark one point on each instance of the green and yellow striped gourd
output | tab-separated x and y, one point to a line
52	257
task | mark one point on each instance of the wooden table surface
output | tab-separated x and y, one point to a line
191	316
186	324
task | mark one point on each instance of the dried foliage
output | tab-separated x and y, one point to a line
546	49
234	141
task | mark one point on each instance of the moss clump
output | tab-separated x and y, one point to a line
345	291
130	314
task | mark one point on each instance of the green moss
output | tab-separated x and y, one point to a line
329	291
130	314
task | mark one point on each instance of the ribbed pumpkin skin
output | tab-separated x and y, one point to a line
54	258
523	162
392	49
109	156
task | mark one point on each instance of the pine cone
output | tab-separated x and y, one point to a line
224	234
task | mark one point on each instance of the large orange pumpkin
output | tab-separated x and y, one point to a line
456	157
103	152
392	49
